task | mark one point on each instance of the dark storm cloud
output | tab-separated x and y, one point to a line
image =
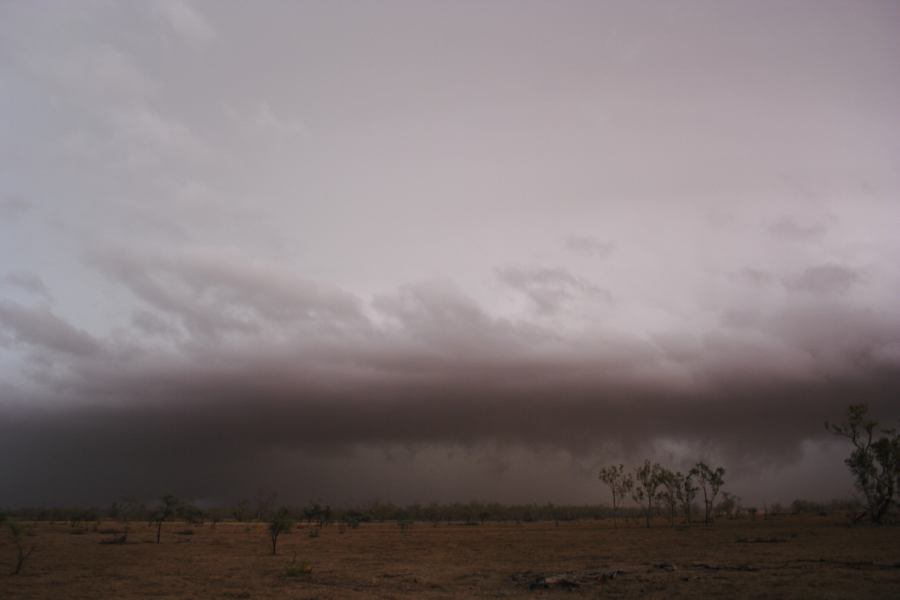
438	371
327	242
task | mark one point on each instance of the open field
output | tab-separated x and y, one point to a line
790	557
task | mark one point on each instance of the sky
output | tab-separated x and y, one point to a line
440	251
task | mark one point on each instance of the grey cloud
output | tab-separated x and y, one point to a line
29	282
13	207
216	293
151	323
590	246
186	20
754	277
824	279
791	229
550	288
39	327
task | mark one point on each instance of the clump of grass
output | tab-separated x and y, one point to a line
185	532
314	532
302	569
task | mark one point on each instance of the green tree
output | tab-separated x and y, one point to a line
874	462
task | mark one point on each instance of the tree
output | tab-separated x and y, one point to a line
242	511
730	505
647	482
687	491
126	509
671	483
17	533
619	482
711	481
875	463
168	505
279	522
264	502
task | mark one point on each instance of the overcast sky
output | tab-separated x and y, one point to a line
442	251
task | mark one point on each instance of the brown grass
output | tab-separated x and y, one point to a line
787	558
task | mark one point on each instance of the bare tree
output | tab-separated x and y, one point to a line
711	481
875	463
279	522
17	534
126	509
620	484
647	482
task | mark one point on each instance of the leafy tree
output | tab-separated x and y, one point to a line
875	463
647	482
168	506
711	481
280	522
620	484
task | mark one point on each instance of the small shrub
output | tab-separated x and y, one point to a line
303	569
295	569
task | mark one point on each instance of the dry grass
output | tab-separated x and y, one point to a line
788	558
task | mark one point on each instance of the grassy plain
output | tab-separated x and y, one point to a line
785	557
